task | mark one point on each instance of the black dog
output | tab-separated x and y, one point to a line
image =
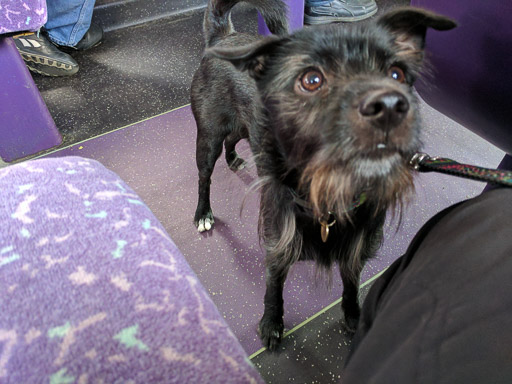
332	122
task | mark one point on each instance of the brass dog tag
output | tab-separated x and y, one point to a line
324	229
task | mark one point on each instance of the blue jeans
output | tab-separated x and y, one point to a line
68	20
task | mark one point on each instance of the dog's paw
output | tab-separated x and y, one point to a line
237	164
271	333
205	222
350	329
350	324
351	314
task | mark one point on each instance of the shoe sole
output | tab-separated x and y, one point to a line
48	67
316	20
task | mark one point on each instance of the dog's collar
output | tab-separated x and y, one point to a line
306	205
329	219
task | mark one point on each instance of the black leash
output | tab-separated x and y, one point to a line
424	163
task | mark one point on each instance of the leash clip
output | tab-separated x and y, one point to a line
417	159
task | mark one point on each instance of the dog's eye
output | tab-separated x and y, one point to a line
312	80
397	74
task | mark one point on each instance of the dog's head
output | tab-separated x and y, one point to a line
340	105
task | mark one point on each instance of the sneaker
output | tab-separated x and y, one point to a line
340	10
43	57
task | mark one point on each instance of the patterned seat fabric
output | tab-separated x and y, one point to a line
22	15
93	290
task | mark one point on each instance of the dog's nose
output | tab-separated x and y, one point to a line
386	109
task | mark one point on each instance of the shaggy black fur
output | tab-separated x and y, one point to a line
331	118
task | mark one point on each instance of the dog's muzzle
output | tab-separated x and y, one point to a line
384	109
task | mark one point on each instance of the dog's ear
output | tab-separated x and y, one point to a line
409	26
250	57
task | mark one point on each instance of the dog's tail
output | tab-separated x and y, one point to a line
217	19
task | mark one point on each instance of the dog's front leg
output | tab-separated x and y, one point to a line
271	324
364	248
350	298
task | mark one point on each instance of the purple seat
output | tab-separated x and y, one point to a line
94	290
26	126
295	17
471	66
22	15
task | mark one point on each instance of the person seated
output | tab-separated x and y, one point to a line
68	29
331	11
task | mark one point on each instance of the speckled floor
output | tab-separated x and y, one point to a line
314	353
116	14
137	72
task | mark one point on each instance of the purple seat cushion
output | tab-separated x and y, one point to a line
93	290
22	15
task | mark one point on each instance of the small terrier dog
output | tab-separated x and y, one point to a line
332	122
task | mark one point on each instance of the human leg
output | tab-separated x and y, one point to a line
442	312
68	20
68	28
329	11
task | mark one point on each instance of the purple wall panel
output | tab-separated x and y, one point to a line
471	80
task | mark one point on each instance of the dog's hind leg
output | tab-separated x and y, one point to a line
234	161
208	150
271	324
